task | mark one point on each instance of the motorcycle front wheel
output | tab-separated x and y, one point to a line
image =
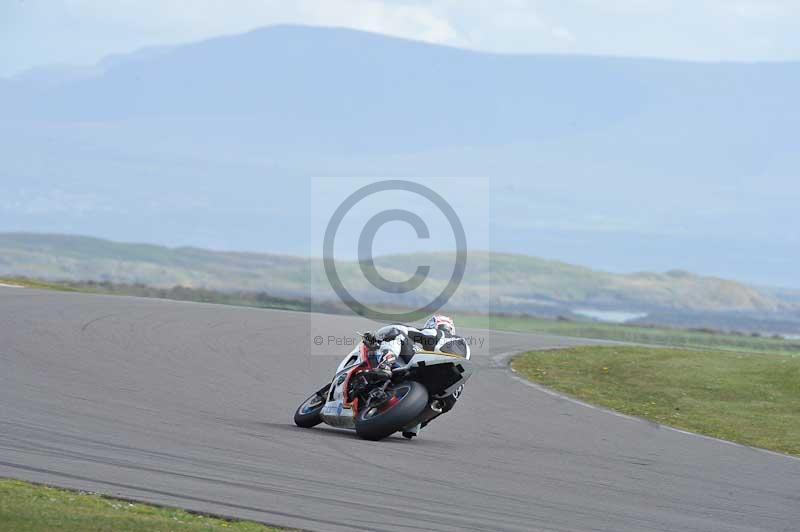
406	402
307	414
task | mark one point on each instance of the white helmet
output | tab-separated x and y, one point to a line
439	321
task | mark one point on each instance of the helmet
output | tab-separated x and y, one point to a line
438	321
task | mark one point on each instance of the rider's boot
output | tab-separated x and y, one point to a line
411	433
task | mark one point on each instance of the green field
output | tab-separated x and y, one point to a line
31	508
177	293
750	398
42	285
581	329
636	334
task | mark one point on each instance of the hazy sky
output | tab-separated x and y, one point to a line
43	32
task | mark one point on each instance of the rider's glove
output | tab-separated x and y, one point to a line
387	360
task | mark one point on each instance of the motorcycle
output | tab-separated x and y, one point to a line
421	389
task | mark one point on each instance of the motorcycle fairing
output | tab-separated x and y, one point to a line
441	373
339	410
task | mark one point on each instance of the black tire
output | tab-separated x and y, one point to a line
307	414
376	425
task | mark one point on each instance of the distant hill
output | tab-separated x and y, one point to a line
496	281
622	164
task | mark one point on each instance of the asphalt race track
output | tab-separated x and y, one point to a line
191	405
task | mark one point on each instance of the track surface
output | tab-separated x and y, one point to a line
190	405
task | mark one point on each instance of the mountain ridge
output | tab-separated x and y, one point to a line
620	163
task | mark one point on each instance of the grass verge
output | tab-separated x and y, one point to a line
748	398
663	336
605	331
27	507
32	283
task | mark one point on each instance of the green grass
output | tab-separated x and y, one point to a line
604	331
743	397
635	334
42	285
31	508
178	293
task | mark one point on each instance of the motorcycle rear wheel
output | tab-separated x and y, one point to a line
407	401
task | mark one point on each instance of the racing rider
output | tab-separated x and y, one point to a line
391	342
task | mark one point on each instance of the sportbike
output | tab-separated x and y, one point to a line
421	388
